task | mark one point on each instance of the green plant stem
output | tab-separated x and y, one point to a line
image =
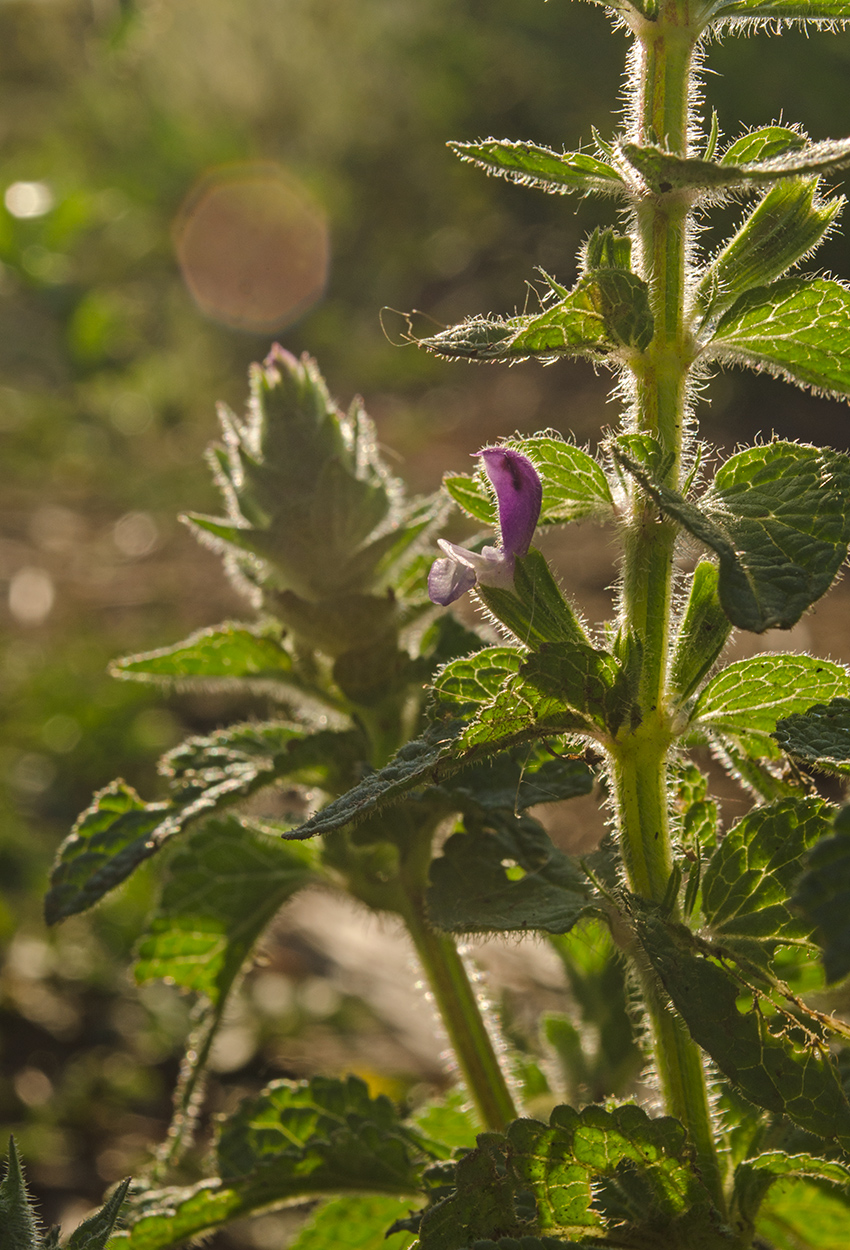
458	1005
662	71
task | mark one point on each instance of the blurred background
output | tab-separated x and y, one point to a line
153	155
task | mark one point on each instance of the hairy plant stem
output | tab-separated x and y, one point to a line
461	1015
662	73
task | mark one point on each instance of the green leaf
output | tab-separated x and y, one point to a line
606	311
823	897
763	144
505	875
574	484
228	651
451	1123
535	610
798	328
466	684
775	1064
18	1224
119	831
223	886
814	12
586	679
745	700
746	885
357	1222
318	1136
664	171
430	758
819	736
94	1232
703	631
786	225
530	165
482	1204
778	516
800	1216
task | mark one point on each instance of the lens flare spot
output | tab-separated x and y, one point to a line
253	247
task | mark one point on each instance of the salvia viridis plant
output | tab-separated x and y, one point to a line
407	752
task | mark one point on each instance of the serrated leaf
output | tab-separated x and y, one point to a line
165	1218
466	684
223	886
763	143
357	1222
819	736
18	1224
778	516
797	327
583	1168
531	165
786	225
505	875
587	679
94	1232
119	831
664	171
823	897
745	700
746	885
755	1177
702	634
535	610
816	12
606	311
318	1136
228	651
785	1070
574	484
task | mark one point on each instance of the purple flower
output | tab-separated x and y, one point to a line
519	494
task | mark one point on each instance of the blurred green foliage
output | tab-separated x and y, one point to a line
109	375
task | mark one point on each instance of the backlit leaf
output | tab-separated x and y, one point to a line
223	886
356	1222
797	327
746	885
745	700
786	1070
531	165
665	171
229	651
778	516
119	831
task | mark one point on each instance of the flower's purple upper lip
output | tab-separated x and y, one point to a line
519	495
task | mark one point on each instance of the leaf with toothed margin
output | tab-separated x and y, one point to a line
607	310
815	12
755	1177
292	1140
746	885
119	830
763	144
664	171
226	652
777	1065
574	484
504	875
823	896
18	1223
820	736
745	700
778	516
94	1232
531	165
222	888
786	225
798	328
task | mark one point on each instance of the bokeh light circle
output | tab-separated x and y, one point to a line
253	247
